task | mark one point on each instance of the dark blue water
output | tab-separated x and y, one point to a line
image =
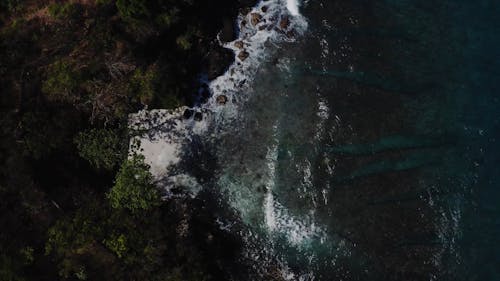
368	149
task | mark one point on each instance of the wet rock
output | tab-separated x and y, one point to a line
255	18
222	99
198	116
239	44
262	27
284	22
264	9
188	113
243	55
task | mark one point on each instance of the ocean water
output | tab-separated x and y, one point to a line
362	145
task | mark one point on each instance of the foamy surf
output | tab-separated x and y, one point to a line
160	135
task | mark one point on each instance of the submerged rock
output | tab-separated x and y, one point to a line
198	116
188	113
284	22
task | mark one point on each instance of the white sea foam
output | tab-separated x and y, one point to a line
293	7
164	132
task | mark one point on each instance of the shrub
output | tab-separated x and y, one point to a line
142	85
62	82
103	148
133	189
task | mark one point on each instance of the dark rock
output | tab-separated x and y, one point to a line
264	9
219	60
243	55
227	34
262	27
222	99
188	113
255	18
284	22
198	116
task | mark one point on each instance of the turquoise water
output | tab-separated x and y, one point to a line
367	150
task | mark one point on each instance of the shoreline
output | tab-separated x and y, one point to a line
168	131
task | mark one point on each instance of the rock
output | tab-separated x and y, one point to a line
264	9
284	22
239	44
222	99
255	18
243	55
262	27
188	113
198	116
227	33
217	61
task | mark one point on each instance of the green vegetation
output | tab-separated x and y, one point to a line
74	207
142	85
64	10
62	82
133	189
103	148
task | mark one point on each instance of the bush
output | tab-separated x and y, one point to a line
142	86
133	189
103	148
132	9
66	10
62	82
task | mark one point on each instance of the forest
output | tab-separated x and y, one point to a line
74	205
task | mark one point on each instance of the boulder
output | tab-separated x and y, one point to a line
222	99
239	44
243	55
264	9
255	18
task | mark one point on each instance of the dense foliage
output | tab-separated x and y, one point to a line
74	205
